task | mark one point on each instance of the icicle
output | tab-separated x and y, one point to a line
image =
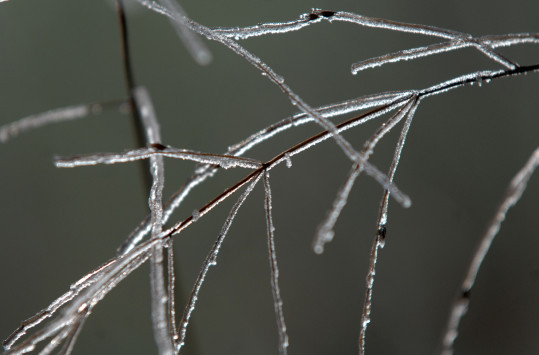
195	215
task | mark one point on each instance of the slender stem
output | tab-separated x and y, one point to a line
274	268
379	240
153	178
458	82
460	305
130	83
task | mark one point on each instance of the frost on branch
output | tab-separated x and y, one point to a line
63	320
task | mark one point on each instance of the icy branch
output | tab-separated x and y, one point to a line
458	39
277	300
379	240
325	232
211	260
224	161
162	323
437	48
512	196
296	100
13	129
390	99
83	296
386	102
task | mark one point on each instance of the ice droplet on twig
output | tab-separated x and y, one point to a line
288	160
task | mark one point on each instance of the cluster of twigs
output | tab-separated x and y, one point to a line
63	320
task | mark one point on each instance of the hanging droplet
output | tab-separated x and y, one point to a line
288	160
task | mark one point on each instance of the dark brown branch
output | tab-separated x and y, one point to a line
130	83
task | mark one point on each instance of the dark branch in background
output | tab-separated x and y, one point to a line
174	283
130	82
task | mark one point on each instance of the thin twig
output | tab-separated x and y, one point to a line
325	232
391	99
295	99
211	260
192	42
98	278
162	324
457	39
153	151
93	287
272	254
379	240
512	196
131	86
394	103
13	129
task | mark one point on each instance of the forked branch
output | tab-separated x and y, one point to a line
66	316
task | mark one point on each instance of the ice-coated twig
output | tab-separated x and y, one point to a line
70	333
493	41
392	100
156	149
172	291
325	232
73	292
162	324
283	157
317	15
379	240
91	289
59	115
133	252
296	100
99	283
327	111
173	203
460	305
426	31
192	42
73	336
386	102
211	260
109	275
272	254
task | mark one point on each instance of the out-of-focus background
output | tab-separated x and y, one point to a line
461	152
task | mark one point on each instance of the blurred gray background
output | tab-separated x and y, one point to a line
461	152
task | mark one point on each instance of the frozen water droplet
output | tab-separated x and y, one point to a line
328	235
225	164
288	160
196	215
318	249
279	79
366	321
